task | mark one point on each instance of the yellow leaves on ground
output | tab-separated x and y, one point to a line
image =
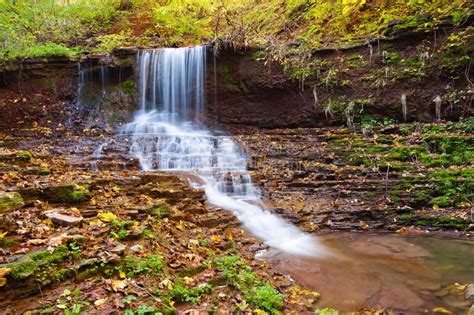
301	296
106	216
3	273
180	226
216	238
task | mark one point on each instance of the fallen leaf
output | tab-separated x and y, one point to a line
118	285
100	302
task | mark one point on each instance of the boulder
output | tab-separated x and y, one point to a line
10	201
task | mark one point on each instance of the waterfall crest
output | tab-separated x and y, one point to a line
165	136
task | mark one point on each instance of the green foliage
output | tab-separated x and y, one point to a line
110	41
458	50
49	27
119	230
238	274
188	22
72	303
265	297
134	266
355	61
43	266
391	57
142	309
181	293
54	28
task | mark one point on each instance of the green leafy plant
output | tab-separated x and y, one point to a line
181	293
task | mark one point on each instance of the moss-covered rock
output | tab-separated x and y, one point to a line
41	267
20	156
66	194
10	201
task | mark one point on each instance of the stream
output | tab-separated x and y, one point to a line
351	271
408	274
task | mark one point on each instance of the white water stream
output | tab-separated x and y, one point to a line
166	136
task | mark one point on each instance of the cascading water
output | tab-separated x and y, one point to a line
165	136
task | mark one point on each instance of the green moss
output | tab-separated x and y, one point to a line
23	269
38	171
6	242
10	201
405	153
20	156
227	74
128	86
8	144
441	201
66	193
41	265
444	222
133	266
391	57
355	61
58	255
80	195
405	217
160	210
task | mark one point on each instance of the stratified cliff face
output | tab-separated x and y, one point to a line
360	84
417	77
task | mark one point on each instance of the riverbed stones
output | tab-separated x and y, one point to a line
10	201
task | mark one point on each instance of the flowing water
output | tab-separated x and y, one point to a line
166	135
350	270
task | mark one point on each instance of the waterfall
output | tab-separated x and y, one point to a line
165	136
403	100
81	81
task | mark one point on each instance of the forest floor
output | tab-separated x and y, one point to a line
73	239
76	240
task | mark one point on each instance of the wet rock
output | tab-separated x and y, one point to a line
119	249
64	220
469	294
10	201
